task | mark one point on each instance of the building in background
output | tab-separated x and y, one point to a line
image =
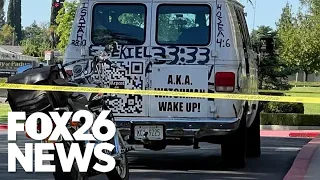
11	58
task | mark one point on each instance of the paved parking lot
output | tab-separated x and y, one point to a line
182	162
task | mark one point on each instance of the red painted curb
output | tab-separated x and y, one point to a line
306	134
301	164
3	127
290	133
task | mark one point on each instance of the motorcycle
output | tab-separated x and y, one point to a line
31	101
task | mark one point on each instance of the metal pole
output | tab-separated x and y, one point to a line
254	14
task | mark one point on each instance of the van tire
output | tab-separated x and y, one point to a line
233	150
254	138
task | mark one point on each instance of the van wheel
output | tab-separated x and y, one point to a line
233	150
253	137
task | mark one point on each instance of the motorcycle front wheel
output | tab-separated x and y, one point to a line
121	171
75	174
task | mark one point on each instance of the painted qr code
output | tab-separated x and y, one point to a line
129	74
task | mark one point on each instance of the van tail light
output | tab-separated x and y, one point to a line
225	81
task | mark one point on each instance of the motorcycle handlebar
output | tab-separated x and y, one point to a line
94	62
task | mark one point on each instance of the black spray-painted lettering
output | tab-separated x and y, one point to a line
220	36
219	22
179	107
180	90
186	55
171	106
192	107
80	40
179	80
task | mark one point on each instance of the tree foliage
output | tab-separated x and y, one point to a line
64	20
272	71
7	35
299	37
2	17
10	14
18	27
36	40
14	18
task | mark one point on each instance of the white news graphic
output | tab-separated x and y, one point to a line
181	79
48	131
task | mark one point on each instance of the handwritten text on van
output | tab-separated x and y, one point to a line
81	26
175	55
221	40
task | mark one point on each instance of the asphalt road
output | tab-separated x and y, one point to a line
185	163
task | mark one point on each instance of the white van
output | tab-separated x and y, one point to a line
176	45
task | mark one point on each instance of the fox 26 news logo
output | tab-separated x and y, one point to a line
66	158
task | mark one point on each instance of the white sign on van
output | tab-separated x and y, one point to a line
182	79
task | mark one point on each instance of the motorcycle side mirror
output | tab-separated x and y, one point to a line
115	45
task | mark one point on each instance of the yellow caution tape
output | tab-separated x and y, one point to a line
249	97
282	91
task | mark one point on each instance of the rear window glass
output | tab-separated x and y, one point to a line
183	24
124	23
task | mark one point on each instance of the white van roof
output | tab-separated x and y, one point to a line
232	1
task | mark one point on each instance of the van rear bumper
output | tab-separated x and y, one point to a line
182	127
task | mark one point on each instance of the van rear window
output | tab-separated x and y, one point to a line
124	23
183	24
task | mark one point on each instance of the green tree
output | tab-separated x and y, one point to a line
36	40
64	20
17	27
299	38
7	35
10	14
2	17
272	71
14	18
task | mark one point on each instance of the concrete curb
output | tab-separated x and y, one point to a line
301	164
282	127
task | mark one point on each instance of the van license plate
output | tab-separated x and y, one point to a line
155	132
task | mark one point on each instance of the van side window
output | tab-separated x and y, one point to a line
124	23
183	24
243	27
245	36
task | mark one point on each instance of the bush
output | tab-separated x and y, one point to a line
272	93
290	119
283	107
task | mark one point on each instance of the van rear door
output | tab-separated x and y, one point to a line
181	39
129	24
